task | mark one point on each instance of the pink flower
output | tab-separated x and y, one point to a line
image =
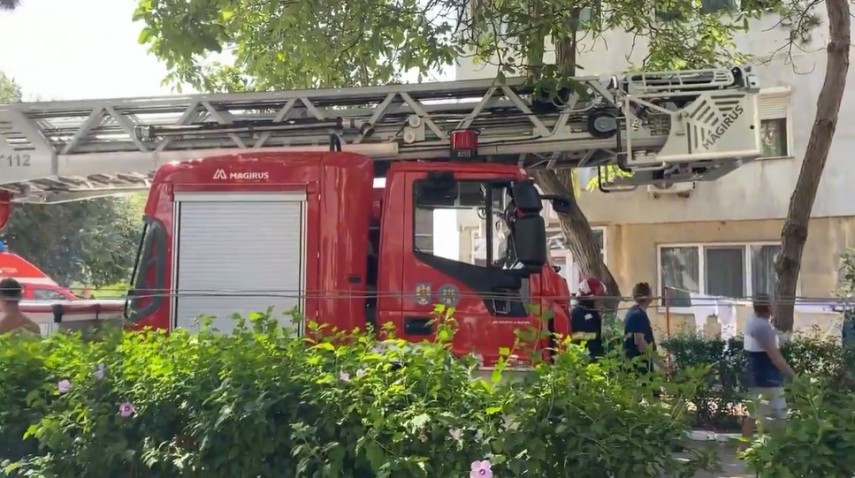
456	434
360	373
100	372
64	386
481	469
344	376
126	409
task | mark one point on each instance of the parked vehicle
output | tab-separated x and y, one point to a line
50	305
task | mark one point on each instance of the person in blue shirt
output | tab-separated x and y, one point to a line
586	323
638	332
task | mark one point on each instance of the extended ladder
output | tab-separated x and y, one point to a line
673	126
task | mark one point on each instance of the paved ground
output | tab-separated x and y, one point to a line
731	466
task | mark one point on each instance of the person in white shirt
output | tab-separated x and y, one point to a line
767	368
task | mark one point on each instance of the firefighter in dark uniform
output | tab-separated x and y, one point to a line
586	324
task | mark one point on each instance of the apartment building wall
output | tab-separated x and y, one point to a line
723	237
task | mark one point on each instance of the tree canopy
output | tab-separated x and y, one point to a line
90	241
301	44
9	90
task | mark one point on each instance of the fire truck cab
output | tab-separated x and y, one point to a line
240	233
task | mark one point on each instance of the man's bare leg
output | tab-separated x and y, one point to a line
748	426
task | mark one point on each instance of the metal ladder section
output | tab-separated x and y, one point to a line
69	150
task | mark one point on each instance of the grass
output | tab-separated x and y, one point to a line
113	291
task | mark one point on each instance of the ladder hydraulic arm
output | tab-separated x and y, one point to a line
672	126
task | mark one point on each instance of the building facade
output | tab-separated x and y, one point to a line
721	238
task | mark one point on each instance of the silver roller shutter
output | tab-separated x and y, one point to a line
238	253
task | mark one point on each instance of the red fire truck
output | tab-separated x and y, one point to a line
35	284
45	301
272	199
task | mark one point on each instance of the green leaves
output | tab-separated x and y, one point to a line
324	43
144	37
818	439
297	44
88	241
262	402
10	92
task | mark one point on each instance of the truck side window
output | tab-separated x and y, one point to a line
454	224
149	272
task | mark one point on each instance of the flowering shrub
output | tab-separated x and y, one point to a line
263	402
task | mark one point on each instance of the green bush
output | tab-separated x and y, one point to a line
819	439
716	405
26	380
262	402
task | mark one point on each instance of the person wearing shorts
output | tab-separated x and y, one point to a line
767	369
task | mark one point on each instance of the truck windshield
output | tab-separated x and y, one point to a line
465	229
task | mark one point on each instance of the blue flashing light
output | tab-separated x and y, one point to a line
3	247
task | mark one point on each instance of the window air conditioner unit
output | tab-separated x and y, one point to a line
683	189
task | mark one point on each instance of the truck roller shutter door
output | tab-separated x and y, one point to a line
238	254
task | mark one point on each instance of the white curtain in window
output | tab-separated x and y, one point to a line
680	270
773	133
763	276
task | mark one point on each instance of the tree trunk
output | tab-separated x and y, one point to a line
574	225
578	233
795	231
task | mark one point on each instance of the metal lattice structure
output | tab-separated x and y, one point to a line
673	126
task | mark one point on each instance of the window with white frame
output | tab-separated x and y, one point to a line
707	7
563	258
774	109
725	270
719	6
722	7
504	27
423	230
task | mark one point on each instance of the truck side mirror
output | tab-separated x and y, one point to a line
527	197
530	242
562	205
